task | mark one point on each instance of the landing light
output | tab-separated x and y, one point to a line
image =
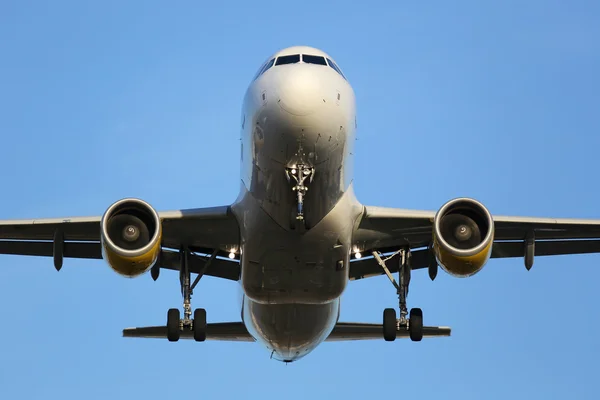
357	255
232	255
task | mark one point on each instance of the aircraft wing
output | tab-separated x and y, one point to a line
387	229
202	229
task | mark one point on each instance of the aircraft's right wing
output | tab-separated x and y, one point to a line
202	229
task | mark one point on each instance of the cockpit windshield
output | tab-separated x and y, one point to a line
309	59
297	58
265	67
292	59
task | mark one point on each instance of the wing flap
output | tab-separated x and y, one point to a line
45	249
219	267
368	267
546	248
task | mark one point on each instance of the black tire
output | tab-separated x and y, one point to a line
389	324
415	324
173	330
200	325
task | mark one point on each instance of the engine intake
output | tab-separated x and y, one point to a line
131	235
463	234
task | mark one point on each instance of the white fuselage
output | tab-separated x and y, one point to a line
297	116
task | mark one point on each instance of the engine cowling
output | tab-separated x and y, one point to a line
131	233
463	234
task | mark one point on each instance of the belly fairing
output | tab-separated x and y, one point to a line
283	267
290	331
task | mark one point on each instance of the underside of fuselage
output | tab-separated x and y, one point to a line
292	280
290	331
296	208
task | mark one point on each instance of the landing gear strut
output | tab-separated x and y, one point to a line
414	323
299	171
175	325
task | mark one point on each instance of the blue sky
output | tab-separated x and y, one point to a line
498	101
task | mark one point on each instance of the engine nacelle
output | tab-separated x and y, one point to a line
463	233
131	233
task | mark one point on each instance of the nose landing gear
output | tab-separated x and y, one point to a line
299	171
414	323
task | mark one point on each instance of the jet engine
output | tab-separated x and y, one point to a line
463	233
131	233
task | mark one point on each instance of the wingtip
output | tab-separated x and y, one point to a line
127	332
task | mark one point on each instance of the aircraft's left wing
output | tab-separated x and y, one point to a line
203	230
387	229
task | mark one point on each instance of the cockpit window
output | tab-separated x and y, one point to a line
309	59
264	68
259	71
335	67
288	59
269	65
296	58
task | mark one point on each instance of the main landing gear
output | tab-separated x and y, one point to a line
414	323
176	325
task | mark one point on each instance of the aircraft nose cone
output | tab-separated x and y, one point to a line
300	92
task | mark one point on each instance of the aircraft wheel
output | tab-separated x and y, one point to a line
173	330
415	324
389	324
200	325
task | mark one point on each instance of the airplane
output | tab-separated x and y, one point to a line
296	235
